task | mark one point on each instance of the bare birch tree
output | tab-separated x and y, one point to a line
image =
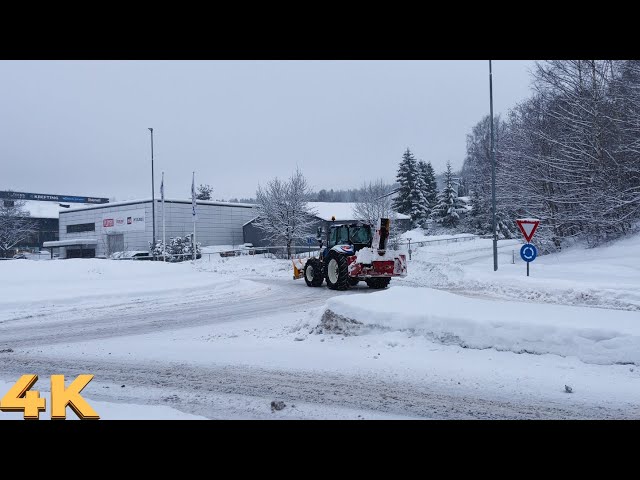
375	202
15	225
283	213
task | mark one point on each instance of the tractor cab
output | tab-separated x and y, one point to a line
357	235
347	239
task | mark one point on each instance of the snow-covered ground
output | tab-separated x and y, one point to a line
607	277
224	337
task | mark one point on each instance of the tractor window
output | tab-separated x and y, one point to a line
332	237
360	235
343	235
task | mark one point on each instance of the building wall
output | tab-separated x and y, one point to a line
218	224
256	236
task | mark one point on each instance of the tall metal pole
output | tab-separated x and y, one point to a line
153	198
164	244
493	176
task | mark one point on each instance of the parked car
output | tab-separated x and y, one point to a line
131	255
20	256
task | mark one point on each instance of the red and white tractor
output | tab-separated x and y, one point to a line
352	254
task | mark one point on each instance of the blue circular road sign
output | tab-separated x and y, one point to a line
528	252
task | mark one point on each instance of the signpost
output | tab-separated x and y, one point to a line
528	227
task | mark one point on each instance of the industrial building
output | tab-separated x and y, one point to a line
324	212
101	230
43	209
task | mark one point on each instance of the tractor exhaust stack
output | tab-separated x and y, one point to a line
382	236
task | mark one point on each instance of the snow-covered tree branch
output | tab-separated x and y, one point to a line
283	213
15	225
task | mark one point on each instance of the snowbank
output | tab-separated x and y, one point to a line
593	335
24	282
607	276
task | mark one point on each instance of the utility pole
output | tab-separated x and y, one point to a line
153	199
493	175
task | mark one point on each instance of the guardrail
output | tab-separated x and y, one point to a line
440	241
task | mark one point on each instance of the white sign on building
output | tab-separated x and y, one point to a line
129	221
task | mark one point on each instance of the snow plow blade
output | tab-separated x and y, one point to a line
298	267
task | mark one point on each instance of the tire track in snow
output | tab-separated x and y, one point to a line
197	389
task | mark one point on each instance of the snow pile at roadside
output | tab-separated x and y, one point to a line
24	282
593	335
249	265
607	276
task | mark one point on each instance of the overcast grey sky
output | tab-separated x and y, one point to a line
80	127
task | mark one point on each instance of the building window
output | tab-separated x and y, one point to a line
9	203
81	227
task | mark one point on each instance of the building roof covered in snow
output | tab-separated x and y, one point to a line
341	210
38	209
158	200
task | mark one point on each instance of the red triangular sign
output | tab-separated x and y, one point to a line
528	227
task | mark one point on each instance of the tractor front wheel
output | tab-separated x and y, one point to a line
378	282
337	272
313	273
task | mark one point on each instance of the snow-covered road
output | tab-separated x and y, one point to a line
201	306
223	389
230	391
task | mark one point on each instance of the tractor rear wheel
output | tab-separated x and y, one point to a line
378	282
337	272
313	273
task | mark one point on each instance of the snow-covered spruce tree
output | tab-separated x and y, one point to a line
15	225
419	204
283	213
447	210
410	199
430	186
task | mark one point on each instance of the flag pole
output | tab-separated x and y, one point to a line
193	204
164	244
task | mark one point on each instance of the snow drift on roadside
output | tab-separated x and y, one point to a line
26	282
607	276
593	335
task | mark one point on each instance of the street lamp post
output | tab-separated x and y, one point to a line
153	199
493	176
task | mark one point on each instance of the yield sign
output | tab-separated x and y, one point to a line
528	227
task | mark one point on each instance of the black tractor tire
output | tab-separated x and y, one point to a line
313	273
353	281
378	282
342	280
